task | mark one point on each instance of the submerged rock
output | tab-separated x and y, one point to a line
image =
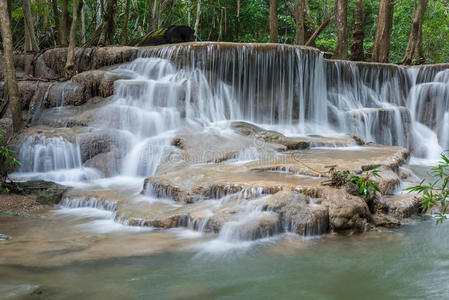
268	136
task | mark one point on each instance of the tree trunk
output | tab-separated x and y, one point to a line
107	32
83	25
64	18
413	53
238	21
30	36
317	32
70	63
197	20
273	21
299	22
125	24
154	16
150	14
357	52
57	20
381	50
9	4
341	18
189	14
10	74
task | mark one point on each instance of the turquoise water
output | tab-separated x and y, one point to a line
409	263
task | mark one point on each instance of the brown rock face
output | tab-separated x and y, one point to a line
98	82
66	93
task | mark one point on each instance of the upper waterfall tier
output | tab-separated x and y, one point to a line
297	88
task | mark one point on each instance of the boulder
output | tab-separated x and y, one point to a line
67	93
99	82
299	213
382	220
48	193
262	136
347	212
108	163
400	206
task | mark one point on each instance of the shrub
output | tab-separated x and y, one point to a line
358	185
364	182
7	161
435	191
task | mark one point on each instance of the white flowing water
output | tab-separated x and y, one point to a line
294	91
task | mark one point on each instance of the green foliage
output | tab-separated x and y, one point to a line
219	22
358	185
7	162
365	183
436	191
339	178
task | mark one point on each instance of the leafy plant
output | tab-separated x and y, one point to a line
7	161
436	191
365	183
338	178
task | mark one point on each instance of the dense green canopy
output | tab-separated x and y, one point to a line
219	22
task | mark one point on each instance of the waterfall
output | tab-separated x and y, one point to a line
54	159
289	89
201	87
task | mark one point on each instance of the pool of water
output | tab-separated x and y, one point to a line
62	256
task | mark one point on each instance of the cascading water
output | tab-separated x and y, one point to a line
54	159
294	91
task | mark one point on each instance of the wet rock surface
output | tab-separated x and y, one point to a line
47	193
233	178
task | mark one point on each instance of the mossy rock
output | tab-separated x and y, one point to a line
48	193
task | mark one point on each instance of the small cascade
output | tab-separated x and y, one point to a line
42	154
429	107
80	202
54	159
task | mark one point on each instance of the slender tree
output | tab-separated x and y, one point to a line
237	26
83	24
316	33
414	53
70	63
30	36
64	20
57	19
341	18
357	52
273	21
124	38
197	20
299	22
154	16
381	50
10	74
108	27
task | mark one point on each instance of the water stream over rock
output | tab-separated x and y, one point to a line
189	126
